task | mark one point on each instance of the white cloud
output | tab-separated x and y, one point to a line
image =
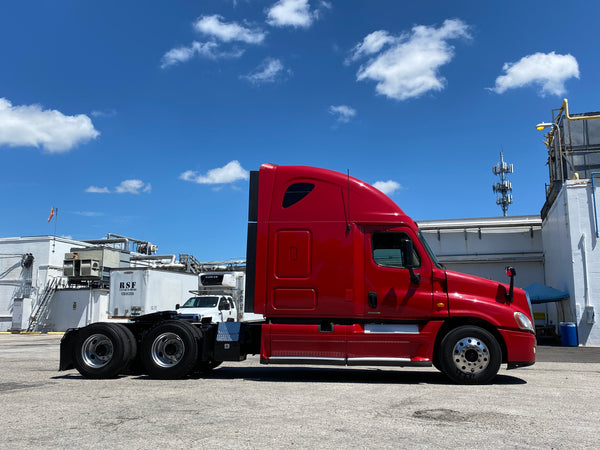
32	126
97	190
547	70
218	32
231	172
88	213
267	72
408	65
342	113
387	187
133	187
126	187
228	32
294	13
208	50
104	113
372	43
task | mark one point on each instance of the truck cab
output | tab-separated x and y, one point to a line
344	276
209	308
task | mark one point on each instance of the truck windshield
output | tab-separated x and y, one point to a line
201	302
436	263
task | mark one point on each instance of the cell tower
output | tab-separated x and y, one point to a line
505	186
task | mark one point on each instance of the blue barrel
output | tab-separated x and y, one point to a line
568	334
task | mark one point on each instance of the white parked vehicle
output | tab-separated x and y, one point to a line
219	308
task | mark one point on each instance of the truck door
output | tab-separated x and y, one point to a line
393	292
223	308
230	310
398	300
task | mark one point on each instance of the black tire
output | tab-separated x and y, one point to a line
170	350
470	355
131	342
102	350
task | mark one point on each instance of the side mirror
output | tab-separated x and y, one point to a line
408	261
407	252
510	272
177	306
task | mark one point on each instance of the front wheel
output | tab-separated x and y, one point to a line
470	355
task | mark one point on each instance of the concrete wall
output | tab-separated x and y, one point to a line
484	247
72	308
573	256
17	281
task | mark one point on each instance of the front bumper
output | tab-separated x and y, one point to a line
520	348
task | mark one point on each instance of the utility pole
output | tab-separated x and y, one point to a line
504	187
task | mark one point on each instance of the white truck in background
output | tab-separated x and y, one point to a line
219	298
209	308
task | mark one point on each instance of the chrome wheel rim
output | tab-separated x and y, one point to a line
97	351
471	355
167	350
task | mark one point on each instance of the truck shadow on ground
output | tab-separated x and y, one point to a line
320	375
341	375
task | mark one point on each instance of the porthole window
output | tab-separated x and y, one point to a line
296	192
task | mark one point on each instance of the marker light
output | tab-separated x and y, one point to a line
523	321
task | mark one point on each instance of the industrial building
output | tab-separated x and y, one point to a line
556	254
52	283
47	285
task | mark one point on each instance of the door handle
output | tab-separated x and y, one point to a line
372	299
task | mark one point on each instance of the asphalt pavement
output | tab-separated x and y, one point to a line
553	404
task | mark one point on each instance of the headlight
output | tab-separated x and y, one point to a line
523	321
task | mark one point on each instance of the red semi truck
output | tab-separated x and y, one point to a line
342	276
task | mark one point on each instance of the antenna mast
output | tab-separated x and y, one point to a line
504	187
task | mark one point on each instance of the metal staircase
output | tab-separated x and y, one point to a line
40	311
192	265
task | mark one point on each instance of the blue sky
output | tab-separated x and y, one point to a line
143	118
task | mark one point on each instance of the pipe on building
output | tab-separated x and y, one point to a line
592	175
110	241
586	281
565	107
155	257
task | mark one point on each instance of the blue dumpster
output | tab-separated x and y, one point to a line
568	334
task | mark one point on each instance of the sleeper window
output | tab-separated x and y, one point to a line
296	192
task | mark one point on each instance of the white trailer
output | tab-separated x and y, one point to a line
136	291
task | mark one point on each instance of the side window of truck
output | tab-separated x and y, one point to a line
387	250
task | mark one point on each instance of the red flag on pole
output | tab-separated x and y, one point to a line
51	214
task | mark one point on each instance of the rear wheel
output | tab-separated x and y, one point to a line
103	350
170	350
470	355
131	342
